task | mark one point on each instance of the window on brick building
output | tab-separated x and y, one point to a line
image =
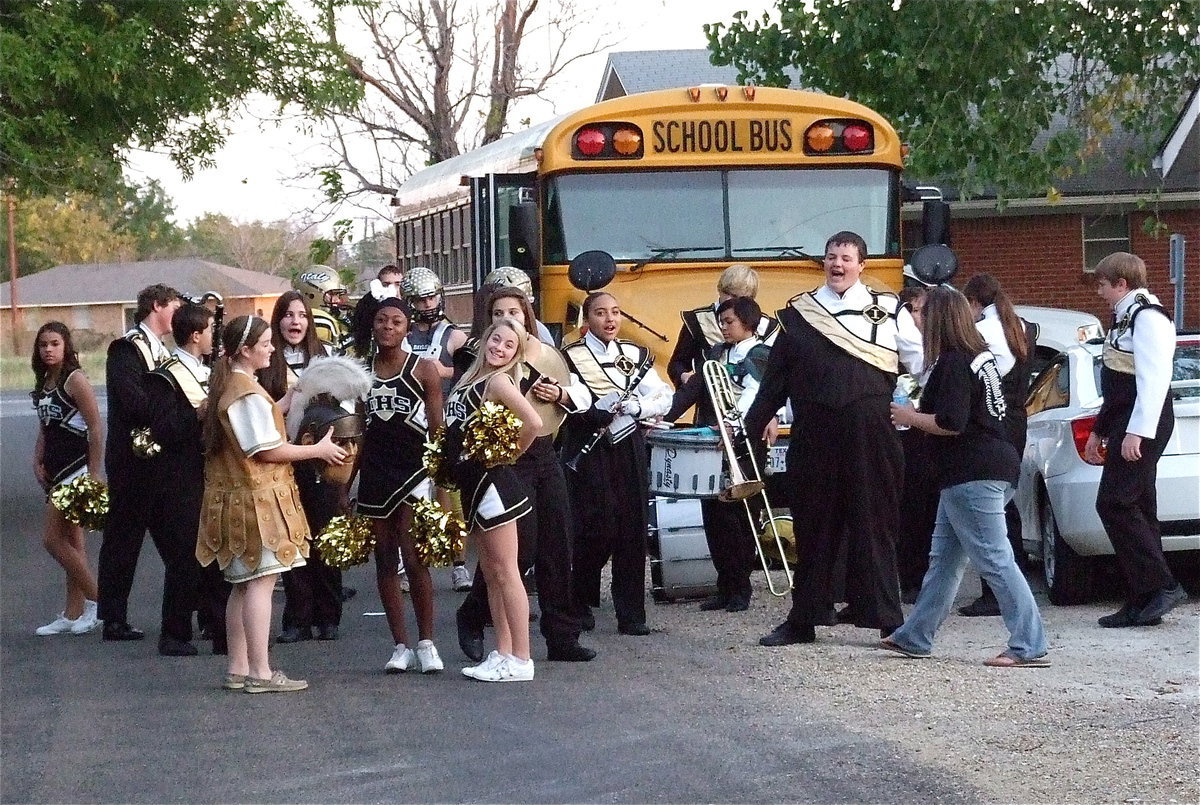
1103	235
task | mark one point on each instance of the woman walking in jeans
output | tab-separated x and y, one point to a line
976	468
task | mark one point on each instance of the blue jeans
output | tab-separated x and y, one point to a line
970	525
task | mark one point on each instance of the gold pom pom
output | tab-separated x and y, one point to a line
435	461
346	541
491	435
83	501
438	535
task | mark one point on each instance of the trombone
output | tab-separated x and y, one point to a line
744	487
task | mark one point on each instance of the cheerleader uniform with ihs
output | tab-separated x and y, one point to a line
491	496
392	467
64	433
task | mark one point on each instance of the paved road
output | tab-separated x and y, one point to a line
657	719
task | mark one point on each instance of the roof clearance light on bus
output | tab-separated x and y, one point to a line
819	137
857	138
590	142
627	142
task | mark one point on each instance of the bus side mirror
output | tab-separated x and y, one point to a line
591	271
523	236
935	222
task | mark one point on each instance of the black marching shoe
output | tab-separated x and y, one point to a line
328	631
470	637
639	629
118	630
587	621
785	634
295	634
1125	617
714	602
174	647
982	607
569	652
1160	604
738	603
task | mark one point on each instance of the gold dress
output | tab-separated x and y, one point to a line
252	523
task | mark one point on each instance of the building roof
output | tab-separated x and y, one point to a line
119	283
632	71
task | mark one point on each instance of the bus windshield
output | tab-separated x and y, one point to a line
718	215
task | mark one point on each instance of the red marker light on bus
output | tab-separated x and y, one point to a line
819	137
626	142
590	142
857	137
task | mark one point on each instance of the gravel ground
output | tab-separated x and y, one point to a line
1114	719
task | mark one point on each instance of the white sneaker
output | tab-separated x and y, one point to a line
402	659
87	621
427	657
460	577
492	660
510	669
60	625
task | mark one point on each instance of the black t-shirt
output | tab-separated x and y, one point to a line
964	395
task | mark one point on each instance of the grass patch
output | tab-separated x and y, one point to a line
15	374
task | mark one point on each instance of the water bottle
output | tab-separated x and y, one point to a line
900	397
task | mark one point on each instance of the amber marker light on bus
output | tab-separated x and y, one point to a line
627	141
830	137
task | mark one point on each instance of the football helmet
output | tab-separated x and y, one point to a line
422	283
322	287
511	276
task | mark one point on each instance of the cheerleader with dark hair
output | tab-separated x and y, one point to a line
70	442
404	404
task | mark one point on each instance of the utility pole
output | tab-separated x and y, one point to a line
9	189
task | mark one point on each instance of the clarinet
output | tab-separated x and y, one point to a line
573	464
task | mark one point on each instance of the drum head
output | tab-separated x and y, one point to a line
934	264
591	271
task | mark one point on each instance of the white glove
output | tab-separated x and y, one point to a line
632	407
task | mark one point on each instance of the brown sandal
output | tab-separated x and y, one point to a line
1010	660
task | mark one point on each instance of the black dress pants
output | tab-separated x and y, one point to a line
172	516
1127	502
730	538
313	593
610	499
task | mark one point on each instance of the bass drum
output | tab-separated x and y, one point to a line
680	564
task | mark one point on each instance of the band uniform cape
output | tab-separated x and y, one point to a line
248	503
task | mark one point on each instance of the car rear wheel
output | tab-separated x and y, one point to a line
1068	575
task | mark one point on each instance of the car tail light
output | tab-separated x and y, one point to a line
1081	430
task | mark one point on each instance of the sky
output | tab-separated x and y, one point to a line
254	178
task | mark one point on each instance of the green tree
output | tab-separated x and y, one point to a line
279	248
68	230
84	80
975	86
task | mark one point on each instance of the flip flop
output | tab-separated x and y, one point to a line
1010	660
892	645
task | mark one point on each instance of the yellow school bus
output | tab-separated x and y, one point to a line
675	185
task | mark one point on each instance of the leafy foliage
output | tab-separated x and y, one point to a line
84	80
974	87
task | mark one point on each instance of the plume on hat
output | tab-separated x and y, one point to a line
338	377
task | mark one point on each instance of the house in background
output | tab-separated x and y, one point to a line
1042	251
98	300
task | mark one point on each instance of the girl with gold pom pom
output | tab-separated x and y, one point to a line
494	497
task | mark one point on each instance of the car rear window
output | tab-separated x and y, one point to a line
1185	370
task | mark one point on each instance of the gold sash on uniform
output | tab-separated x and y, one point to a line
590	370
827	325
1118	359
706	320
187	382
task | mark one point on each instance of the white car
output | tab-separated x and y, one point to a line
1057	331
1056	494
